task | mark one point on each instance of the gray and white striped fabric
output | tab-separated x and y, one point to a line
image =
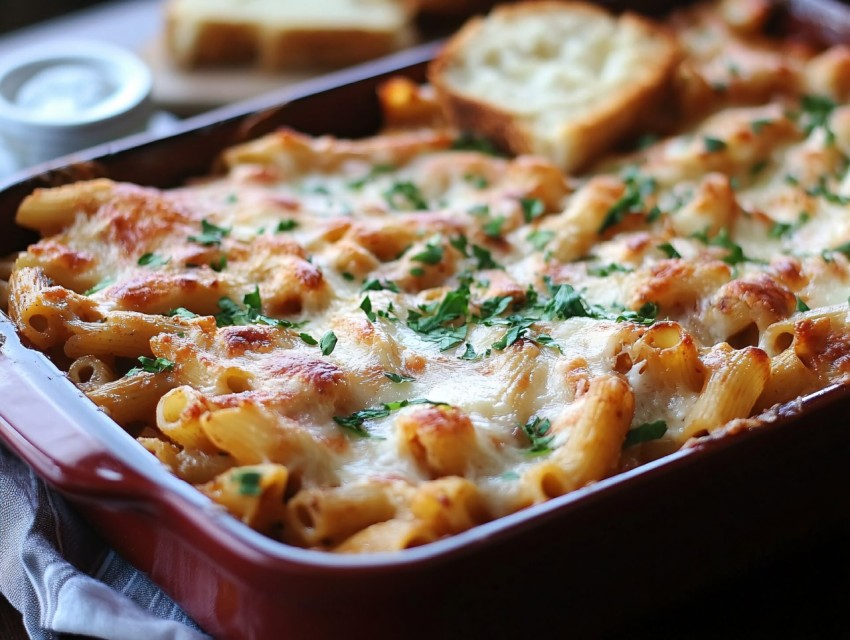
56	572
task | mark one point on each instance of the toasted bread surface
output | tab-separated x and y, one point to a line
284	34
565	80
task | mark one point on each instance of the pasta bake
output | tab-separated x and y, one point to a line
368	345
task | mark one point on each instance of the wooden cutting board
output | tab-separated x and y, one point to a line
188	92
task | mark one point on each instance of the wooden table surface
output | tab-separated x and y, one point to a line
802	593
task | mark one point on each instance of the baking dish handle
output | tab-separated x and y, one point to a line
59	432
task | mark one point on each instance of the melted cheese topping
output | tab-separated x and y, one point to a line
451	314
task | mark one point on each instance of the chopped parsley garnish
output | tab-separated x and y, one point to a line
461	243
476	180
349	277
537	430
211	235
374	284
417	272
645	432
492	307
468	353
354	422
398	378
248	482
220	264
669	250
713	145
758	125
151	365
821	190
722	239
843	249
153	260
405	195
308	339
366	305
374	172
539	238
605	270
479	210
468	141
782	229
802	306
327	343
285	225
431	254
484	258
100	286
232	314
817	110
646	315
637	188
532	208
518	328
435	323
493	227
182	312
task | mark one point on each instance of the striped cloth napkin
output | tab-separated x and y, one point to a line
64	580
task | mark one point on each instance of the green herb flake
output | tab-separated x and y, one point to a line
248	482
483	258
327	343
637	188
816	111
539	238
398	378
182	312
468	141
669	250
374	284
231	314
366	305
532	208
348	277
405	195
100	286
220	264
783	229
823	191
537	431
476	180
374	172
153	260
432	254
468	353
802	306
493	227
713	145
417	272
645	432
354	422
151	365
286	225
479	210
307	338
211	235
605	270
758	125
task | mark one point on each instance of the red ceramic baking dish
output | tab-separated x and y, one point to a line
583	564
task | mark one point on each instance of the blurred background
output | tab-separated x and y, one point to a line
19	13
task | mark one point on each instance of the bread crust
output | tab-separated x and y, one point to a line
585	135
205	41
